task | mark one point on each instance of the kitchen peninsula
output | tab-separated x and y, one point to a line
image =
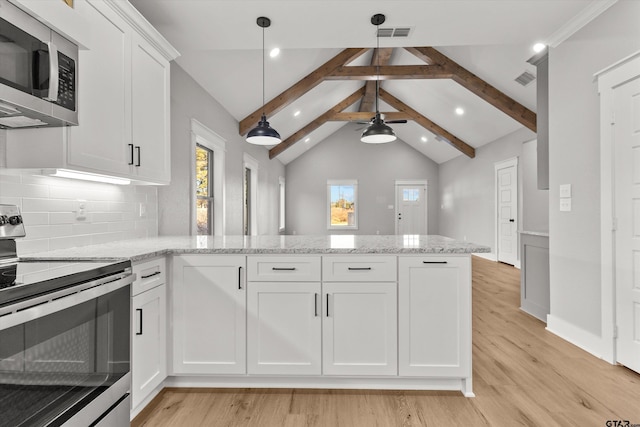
339	311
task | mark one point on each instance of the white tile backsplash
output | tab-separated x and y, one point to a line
49	206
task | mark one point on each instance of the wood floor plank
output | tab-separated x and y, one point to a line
523	376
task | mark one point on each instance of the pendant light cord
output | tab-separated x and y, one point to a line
263	79
377	66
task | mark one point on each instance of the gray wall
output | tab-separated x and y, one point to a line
574	150
467	190
535	202
376	167
189	100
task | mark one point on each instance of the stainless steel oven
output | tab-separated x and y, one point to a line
64	341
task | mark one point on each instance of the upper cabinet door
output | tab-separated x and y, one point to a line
150	108
100	142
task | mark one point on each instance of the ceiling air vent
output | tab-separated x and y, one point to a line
394	32
525	78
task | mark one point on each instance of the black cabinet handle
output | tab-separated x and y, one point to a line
434	262
315	304
139	311
150	275
359	268
283	268
138	151
130	154
240	277
327	305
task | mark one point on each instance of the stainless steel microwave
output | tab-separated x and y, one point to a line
38	73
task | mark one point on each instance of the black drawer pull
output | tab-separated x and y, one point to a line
359	268
139	310
150	275
434	262
283	268
240	278
131	154
315	304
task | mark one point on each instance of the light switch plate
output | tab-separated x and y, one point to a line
565	205
565	190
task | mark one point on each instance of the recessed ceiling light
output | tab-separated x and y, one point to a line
423	139
297	113
307	140
274	52
459	111
539	47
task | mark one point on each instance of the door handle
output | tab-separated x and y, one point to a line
138	151
315	304
131	161
139	311
240	278
327	305
512	220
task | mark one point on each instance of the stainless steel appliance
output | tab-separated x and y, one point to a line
64	338
38	73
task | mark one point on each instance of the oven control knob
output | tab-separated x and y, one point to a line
4	219
15	220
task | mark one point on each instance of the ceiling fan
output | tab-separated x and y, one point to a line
378	132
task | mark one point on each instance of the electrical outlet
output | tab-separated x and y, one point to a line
81	210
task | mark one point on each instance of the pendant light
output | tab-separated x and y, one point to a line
263	134
377	132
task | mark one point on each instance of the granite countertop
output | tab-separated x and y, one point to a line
141	249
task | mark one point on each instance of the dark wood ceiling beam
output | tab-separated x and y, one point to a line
366	116
432	127
379	57
478	86
300	88
315	124
391	72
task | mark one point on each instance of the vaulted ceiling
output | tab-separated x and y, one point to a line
466	53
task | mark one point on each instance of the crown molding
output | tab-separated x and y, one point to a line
586	15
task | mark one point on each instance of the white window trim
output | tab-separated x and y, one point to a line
353	182
202	135
252	164
281	203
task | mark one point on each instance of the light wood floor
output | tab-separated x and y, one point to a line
523	376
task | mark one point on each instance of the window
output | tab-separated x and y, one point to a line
204	190
281	218
207	192
342	201
410	194
250	196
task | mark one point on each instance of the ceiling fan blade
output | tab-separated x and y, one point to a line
395	121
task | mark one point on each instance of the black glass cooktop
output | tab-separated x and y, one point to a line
24	279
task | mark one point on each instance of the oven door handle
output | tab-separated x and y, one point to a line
44	305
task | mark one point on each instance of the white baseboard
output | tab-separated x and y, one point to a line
489	255
587	341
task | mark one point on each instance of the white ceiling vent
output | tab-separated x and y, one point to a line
394	32
525	78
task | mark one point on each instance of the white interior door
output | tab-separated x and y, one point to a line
627	211
507	211
411	202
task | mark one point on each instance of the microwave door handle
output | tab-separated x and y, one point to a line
53	72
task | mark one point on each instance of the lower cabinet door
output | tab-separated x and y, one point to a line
359	329
209	314
149	363
435	323
283	328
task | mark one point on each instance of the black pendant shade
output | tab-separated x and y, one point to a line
263	134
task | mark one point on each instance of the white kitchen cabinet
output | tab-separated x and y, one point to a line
284	328
123	103
149	331
359	328
434	306
150	88
100	142
209	314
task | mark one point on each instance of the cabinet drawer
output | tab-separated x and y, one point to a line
149	274
283	268
359	268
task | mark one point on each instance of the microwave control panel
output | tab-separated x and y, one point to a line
66	82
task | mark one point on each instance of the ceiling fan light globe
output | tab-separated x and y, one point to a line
378	133
263	134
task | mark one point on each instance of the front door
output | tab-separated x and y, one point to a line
507	210
626	139
411	217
